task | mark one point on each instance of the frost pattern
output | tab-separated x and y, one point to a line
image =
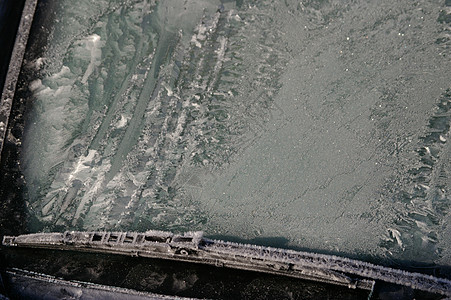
323	123
140	96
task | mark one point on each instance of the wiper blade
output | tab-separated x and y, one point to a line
193	247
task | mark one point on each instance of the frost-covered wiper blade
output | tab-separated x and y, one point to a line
34	285
193	247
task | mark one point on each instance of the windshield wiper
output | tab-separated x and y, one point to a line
193	247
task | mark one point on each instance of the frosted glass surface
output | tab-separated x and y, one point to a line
325	124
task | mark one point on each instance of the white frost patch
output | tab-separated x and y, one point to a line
195	41
92	44
45	92
35	85
122	122
202	30
427	188
175	136
64	71
422	225
81	164
39	62
221	53
168	89
397	235
95	185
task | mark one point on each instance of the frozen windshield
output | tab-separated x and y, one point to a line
320	124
